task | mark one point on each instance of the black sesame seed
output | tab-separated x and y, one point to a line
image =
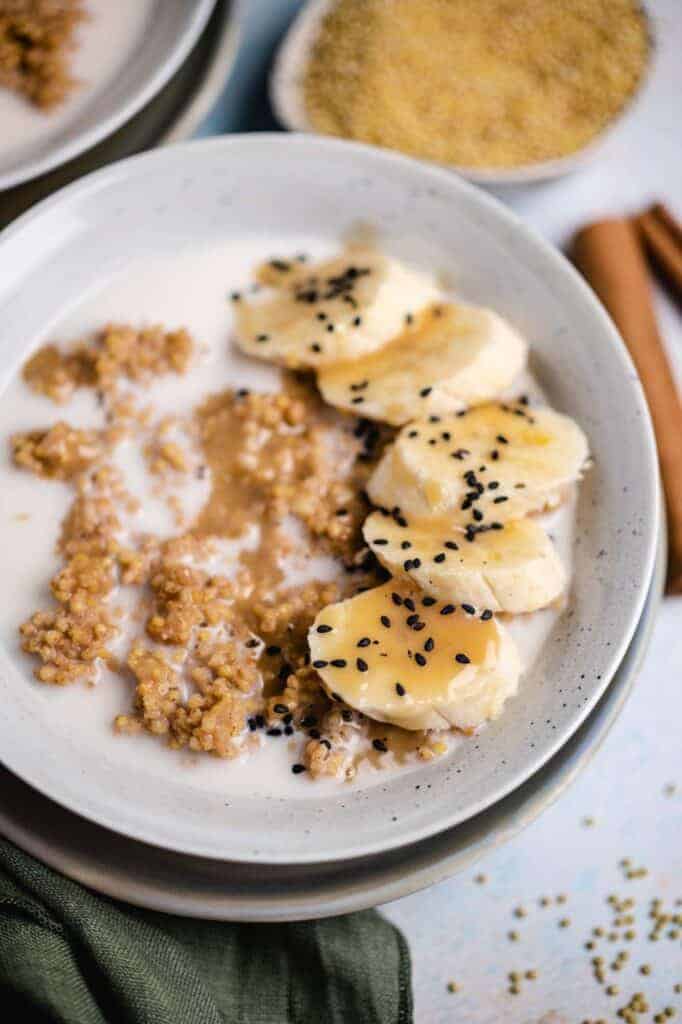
432	441
450	544
502	439
361	665
446	435
493	485
494	455
279	265
235	296
413	433
324	628
440	557
400	689
411	619
316	347
447	609
380	541
462	659
418	626
358	400
477	514
469	609
320	664
397	599
429	644
416	562
297	768
338	662
406	544
409	604
425	392
400	520
434	419
408	318
364	642
357	321
262	337
496	526
380	745
486	615
385	621
428	601
500	499
420	659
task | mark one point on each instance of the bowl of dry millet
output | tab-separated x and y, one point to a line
502	93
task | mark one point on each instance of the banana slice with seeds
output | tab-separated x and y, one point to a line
400	656
447	357
512	570
315	315
481	468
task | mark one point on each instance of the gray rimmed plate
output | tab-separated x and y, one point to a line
255	188
153	878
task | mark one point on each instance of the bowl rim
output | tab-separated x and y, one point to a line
153	82
283	79
261	144
414	868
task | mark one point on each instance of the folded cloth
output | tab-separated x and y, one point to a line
71	956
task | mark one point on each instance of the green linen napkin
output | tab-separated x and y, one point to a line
71	956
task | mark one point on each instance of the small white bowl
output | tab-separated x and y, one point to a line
286	97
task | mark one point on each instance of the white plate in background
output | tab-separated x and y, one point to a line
127	50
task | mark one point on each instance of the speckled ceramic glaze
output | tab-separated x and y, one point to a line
155	57
228	891
258	186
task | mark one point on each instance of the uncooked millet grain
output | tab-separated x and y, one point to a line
478	83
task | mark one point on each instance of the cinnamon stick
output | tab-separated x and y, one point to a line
662	238
610	257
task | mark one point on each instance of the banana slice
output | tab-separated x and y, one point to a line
402	657
314	315
512	570
481	468
450	356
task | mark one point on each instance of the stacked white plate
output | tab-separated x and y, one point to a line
129	829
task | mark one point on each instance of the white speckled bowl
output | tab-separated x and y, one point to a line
286	97
99	111
257	186
229	891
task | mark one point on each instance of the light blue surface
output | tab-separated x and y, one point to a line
244	106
